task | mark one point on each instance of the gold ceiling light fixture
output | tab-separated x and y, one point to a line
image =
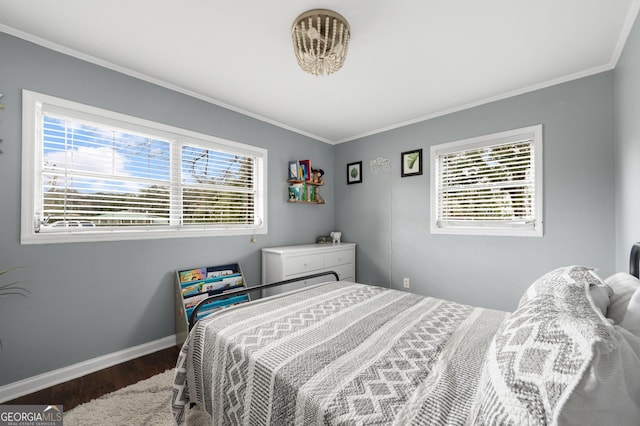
320	41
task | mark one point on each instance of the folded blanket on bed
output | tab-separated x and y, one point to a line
337	353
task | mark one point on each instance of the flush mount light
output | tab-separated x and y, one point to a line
320	41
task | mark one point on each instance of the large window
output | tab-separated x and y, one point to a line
91	174
490	185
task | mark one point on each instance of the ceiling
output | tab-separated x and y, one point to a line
408	60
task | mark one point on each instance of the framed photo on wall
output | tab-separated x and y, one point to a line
411	163
354	172
293	170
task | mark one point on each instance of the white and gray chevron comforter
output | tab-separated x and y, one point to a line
336	353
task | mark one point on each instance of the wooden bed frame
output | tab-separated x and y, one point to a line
239	291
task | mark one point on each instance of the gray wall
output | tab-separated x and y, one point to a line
92	299
388	216
627	128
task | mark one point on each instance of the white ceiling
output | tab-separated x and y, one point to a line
409	60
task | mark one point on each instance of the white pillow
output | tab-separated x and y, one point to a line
600	294
631	319
609	393
623	286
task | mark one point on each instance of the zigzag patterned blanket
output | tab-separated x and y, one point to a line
336	353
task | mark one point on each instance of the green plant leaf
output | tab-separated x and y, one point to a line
411	159
11	289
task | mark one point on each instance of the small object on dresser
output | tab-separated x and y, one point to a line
335	237
324	239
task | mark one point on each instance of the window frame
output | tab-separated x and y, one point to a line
536	230
32	156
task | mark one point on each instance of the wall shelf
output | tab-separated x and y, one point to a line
306	202
306	182
306	190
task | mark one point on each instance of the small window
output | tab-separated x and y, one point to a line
489	185
91	174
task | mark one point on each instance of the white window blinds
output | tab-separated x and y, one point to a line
96	174
217	187
490	184
103	176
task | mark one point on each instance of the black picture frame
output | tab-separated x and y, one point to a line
354	172
411	163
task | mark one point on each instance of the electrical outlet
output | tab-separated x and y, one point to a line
406	283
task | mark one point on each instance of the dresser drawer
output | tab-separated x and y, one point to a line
341	257
344	271
302	264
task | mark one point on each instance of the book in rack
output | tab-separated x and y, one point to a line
195	284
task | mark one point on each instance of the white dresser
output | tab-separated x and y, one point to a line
283	263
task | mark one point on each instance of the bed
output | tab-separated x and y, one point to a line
349	353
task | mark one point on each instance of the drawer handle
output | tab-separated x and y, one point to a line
306	263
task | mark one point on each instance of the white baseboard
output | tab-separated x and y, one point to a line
61	375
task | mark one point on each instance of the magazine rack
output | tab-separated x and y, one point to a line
196	284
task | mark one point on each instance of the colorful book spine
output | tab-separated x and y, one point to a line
306	170
217	304
207	284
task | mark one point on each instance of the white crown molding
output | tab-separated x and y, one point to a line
624	33
144	77
506	95
619	48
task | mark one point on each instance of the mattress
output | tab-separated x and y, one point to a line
337	353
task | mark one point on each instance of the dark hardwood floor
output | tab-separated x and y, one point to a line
94	385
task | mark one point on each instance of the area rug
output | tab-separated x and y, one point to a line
144	403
